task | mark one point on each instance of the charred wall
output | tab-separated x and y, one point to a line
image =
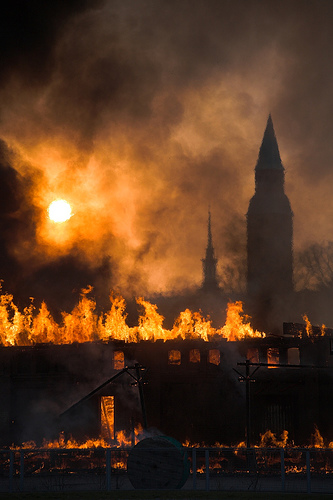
192	391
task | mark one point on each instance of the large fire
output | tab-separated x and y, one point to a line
83	324
125	439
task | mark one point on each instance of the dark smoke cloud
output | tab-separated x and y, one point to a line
145	113
24	271
29	31
15	208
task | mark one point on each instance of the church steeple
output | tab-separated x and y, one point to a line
269	155
269	230
209	263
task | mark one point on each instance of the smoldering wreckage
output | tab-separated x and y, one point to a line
95	379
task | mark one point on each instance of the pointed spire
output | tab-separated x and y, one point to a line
210	282
210	239
269	155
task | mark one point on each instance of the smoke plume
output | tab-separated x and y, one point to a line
142	114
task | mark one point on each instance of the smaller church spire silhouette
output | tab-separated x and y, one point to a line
209	263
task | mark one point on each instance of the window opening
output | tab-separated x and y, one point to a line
107	417
194	356
214	356
118	360
293	356
253	354
174	357
273	356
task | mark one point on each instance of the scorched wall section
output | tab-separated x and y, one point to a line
192	391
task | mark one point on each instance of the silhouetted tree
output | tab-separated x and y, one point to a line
313	267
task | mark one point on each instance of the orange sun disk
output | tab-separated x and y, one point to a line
59	211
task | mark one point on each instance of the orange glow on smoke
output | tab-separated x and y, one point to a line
83	324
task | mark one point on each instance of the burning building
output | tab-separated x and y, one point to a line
93	376
99	377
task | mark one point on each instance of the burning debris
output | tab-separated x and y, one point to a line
122	439
306	330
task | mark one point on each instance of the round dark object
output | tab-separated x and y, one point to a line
158	463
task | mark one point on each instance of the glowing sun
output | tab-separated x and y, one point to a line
59	211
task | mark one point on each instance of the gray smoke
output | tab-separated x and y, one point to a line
144	113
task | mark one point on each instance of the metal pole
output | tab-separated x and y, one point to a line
194	468
247	396
142	399
248	378
283	471
308	471
108	469
132	433
11	470
207	469
21	470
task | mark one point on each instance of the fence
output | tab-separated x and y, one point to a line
291	469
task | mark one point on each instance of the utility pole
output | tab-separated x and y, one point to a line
140	383
248	378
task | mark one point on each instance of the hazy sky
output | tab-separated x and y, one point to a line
143	113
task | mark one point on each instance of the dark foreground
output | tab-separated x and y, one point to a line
211	473
161	495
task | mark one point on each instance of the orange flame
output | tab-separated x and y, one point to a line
237	326
308	326
269	439
309	329
317	441
83	324
123	440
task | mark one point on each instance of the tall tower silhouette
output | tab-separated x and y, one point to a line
210	281
269	230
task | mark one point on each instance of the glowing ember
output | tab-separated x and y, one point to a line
60	211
